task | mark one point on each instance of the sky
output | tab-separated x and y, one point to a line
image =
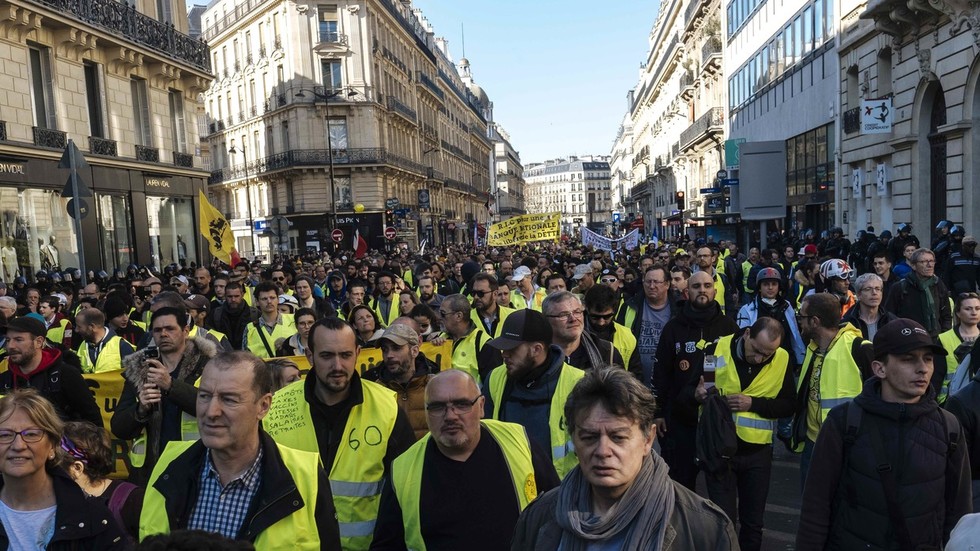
557	71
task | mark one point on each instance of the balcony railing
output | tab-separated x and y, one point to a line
713	118
147	154
241	9
401	109
120	18
45	137
333	37
430	84
852	120
712	47
316	157
185	160
102	146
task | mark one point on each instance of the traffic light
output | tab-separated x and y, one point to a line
679	197
389	218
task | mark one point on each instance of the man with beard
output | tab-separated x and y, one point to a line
681	364
101	349
471	353
531	387
399	351
202	282
427	292
600	311
486	313
233	317
355	425
31	364
566	314
707	259
442	490
336	289
384	305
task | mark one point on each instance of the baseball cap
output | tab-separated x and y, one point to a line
520	273
197	302
522	326
582	270
180	279
289	300
150	281
400	334
901	336
969	239
681	252
808	249
27	324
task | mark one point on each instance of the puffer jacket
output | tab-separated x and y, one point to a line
844	506
695	524
411	396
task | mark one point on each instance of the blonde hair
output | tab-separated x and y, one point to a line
40	411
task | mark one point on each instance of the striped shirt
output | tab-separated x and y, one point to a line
223	509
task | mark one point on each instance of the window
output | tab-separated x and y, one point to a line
338	132
328	23
42	87
797	39
269	145
284	136
829	20
331	74
93	97
165	11
248	46
171	236
818	23
141	112
115	222
884	72
807	30
251	95
788	47
177	126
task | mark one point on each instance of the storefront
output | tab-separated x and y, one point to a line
131	217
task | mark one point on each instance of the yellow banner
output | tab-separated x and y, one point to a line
525	229
107	387
216	231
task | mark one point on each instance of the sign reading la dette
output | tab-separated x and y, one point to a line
525	229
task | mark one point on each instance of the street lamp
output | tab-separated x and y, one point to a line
248	195
326	97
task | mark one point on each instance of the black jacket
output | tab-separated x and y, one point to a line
80	524
853	316
59	382
680	360
843	503
234	325
276	499
905	300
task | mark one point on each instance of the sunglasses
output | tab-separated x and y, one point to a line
481	294
604	317
609	280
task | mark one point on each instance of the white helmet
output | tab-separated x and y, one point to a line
836	267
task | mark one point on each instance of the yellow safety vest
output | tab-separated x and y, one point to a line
750	427
296	532
948	340
502	313
746	268
109	358
406	475
57	333
189	432
562	449
392	312
466	353
357	470
719	291
624	341
840	377
282	330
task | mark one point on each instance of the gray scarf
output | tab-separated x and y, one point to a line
643	511
592	350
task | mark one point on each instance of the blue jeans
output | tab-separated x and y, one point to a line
805	462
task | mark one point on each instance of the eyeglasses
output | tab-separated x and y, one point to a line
655	282
566	316
605	317
481	294
446	314
609	280
279	279
28	435
459	406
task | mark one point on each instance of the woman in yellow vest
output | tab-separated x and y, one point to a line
959	340
754	383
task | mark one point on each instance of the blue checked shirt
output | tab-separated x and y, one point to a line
222	510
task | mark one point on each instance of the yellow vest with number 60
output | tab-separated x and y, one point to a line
750	427
406	475
357	470
562	450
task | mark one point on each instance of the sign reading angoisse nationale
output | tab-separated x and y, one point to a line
525	229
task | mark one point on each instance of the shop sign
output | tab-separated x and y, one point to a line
876	116
156	182
12	168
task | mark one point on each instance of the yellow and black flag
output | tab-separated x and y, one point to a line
217	231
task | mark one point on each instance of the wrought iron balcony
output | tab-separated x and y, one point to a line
248	59
712	47
712	121
429	84
434	174
183	159
301	157
332	37
122	19
852	120
45	137
238	66
147	154
401	109
102	146
3	131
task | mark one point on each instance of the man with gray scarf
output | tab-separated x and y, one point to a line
619	496
566	314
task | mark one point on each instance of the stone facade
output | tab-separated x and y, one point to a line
509	190
406	123
577	187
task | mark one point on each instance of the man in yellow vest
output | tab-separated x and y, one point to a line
531	387
471	353
235	480
385	304
486	313
159	398
58	326
524	295
355	425
101	349
837	363
753	379
440	490
262	334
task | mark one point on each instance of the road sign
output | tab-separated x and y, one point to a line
391	203
729	182
616	217
82	207
260	225
337	235
389	233
710	190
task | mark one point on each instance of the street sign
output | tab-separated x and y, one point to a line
616	217
402	212
710	190
82	207
390	233
722	174
391	203
260	225
729	182
337	235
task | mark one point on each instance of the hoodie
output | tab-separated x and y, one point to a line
59	382
336	298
